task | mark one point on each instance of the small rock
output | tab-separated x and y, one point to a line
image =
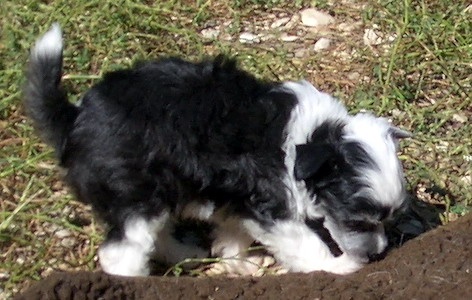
322	44
354	76
4	276
279	22
467	180
288	38
313	18
248	38
293	22
62	233
68	242
461	118
299	53
372	37
210	33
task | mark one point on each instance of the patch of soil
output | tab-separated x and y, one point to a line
435	265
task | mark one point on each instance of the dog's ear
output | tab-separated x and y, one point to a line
310	158
398	133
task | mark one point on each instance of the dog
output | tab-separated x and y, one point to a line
169	140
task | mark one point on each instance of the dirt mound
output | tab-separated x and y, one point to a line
435	265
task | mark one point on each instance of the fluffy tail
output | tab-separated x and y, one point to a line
45	101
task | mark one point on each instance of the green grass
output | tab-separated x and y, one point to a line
421	79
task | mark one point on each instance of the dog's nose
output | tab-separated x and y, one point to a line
377	256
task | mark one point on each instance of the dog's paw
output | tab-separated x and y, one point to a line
344	265
123	258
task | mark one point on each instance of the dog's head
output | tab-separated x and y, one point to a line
352	173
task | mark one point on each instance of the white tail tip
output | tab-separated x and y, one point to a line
50	44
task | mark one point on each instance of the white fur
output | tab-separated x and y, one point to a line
313	108
373	133
196	210
231	241
171	251
50	44
130	255
299	249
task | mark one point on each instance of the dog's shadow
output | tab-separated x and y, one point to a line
418	218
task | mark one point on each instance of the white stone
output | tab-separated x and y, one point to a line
248	38
210	33
279	22
62	233
288	38
461	118
354	76
313	18
372	37
322	44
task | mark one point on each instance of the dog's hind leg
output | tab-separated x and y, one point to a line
173	251
127	251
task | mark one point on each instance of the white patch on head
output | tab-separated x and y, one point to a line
385	185
130	255
298	248
50	44
313	108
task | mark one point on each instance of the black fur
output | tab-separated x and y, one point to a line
334	176
169	132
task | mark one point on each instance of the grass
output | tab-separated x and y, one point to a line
419	76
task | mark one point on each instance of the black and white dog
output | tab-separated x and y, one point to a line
169	140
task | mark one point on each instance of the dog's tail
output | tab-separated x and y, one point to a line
45	101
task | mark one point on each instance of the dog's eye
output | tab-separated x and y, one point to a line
361	226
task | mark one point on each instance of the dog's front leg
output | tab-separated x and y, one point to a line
128	252
231	243
300	249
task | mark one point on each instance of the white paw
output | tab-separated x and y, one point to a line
123	258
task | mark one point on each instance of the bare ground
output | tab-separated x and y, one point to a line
435	265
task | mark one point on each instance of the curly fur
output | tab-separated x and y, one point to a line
169	140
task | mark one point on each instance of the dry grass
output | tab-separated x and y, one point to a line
419	75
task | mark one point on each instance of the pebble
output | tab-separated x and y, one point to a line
314	18
288	38
280	22
248	38
354	76
68	242
461	118
322	44
62	233
467	180
372	37
293	22
210	33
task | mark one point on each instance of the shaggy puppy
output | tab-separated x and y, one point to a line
169	140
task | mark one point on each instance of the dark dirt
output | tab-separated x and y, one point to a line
435	265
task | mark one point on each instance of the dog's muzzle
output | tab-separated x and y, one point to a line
317	225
